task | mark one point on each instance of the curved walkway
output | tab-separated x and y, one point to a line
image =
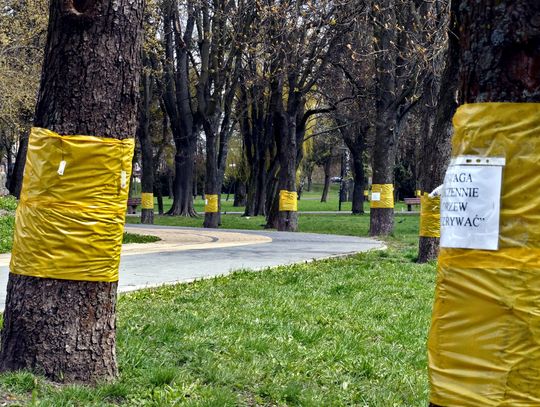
232	250
187	254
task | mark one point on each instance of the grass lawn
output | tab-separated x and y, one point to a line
340	332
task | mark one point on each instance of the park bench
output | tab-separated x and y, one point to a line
132	204
410	202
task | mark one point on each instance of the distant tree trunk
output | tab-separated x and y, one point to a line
499	52
147	155
90	85
359	182
385	148
159	194
435	151
326	188
15	181
239	194
170	183
177	100
309	179
284	122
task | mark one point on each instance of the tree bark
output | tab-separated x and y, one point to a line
385	147
435	152
90	85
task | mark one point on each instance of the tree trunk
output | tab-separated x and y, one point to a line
147	154
212	186
435	152
15	181
177	101
385	148
327	165
359	182
239	194
159	194
90	85
182	185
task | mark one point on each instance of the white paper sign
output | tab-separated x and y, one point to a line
375	196
470	203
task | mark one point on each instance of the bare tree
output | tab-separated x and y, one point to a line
90	84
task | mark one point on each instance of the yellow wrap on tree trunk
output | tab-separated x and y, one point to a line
70	219
147	200
430	216
382	196
211	203
288	201
484	342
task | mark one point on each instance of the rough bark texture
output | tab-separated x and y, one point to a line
385	147
499	52
90	84
436	146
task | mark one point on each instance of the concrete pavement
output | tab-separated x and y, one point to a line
187	254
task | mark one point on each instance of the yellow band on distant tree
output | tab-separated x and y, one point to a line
70	219
366	192
147	200
430	216
211	204
418	193
288	201
382	196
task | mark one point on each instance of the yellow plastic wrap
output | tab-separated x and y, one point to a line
430	216
418	193
147	200
366	193
70	226
211	205
385	193
484	342
288	201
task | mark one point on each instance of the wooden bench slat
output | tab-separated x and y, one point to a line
410	202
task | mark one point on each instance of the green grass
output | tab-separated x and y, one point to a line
136	238
340	332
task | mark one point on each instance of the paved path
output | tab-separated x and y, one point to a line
186	254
